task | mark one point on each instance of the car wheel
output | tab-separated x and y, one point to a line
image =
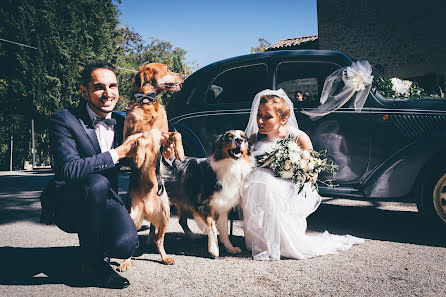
432	201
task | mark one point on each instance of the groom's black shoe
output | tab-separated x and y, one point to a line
102	275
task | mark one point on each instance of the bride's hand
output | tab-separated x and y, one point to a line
314	178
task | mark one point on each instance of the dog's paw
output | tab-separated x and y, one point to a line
214	252
214	255
234	250
125	265
168	261
139	161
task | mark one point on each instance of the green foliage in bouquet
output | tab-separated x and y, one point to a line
287	160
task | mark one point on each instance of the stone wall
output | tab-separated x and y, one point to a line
407	38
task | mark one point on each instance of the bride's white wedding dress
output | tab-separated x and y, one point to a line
274	216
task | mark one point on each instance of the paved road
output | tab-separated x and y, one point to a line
399	258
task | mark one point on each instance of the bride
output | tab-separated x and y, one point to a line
274	213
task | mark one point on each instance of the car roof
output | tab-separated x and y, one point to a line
316	55
320	54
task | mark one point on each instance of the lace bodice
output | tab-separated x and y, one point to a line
266	145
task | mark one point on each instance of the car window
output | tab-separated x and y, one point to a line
237	84
304	81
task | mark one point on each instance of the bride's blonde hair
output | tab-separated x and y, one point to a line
279	104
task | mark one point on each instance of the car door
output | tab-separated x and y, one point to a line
344	133
226	104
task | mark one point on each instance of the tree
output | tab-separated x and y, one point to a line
39	80
261	47
41	76
134	52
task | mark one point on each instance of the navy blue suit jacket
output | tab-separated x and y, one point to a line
75	147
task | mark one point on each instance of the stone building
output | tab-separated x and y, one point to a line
405	39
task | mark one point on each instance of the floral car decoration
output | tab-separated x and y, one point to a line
398	88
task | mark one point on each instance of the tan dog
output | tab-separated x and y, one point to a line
147	115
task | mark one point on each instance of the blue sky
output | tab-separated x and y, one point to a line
214	30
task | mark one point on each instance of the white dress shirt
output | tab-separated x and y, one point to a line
105	134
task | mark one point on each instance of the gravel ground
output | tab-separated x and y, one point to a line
401	257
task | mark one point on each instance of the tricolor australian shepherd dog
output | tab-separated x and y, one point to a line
210	187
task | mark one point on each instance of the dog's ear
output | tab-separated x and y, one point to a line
147	75
138	81
219	138
216	146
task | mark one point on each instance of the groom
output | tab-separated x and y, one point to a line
86	145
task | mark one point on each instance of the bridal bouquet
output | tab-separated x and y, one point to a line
288	160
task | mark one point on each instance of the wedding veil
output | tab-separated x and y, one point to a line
252	124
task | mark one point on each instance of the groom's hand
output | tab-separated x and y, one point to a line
127	148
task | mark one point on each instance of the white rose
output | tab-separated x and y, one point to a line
286	174
311	165
305	154
401	87
302	163
293	146
295	158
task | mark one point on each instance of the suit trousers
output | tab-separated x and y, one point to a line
90	208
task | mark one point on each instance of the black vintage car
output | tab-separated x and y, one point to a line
392	150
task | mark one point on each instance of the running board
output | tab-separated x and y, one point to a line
340	191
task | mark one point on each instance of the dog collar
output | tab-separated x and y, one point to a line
144	98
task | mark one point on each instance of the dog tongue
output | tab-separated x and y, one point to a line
238	155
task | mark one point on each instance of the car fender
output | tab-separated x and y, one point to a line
398	175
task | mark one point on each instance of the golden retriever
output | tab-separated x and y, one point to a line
148	116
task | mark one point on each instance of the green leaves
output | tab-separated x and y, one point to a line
260	48
67	34
134	52
39	82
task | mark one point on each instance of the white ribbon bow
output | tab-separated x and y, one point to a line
357	80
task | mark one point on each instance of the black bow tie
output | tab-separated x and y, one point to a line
145	98
109	122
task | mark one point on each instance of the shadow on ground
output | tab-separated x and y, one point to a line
176	243
20	195
38	266
61	265
376	224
